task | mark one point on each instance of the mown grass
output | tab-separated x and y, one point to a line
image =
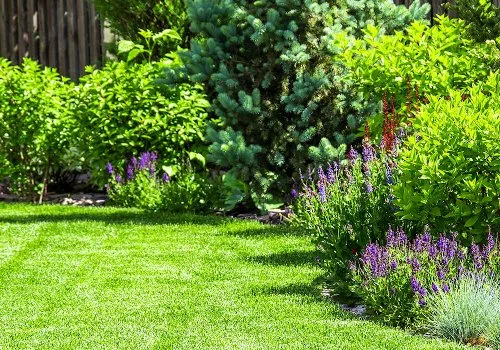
94	278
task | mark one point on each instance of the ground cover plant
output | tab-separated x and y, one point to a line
396	279
142	185
125	278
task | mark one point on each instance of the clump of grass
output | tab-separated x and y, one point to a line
468	313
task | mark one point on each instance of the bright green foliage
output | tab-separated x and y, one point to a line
268	69
482	15
35	125
123	112
432	59
345	209
468	313
126	18
450	167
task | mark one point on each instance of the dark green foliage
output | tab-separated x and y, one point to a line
36	121
268	69
127	17
450	168
123	112
482	15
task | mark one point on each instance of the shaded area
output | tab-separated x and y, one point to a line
290	258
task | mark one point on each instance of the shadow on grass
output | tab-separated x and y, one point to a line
118	217
293	258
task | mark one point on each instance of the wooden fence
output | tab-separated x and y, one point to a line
65	34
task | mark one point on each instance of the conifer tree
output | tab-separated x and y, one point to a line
270	70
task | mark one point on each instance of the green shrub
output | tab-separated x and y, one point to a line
126	18
468	313
418	62
36	121
269	73
482	16
450	168
347	207
123	112
140	187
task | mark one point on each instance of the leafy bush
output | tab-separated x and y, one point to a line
123	112
269	73
347	207
139	186
430	60
450	168
126	18
469	312
35	125
395	281
482	16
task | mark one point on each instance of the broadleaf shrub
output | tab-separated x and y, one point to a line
268	71
449	169
483	17
36	123
123	112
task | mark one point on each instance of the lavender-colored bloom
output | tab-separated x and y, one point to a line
434	287
109	168
390	237
433	251
369	187
414	284
440	274
442	244
144	160
445	288
321	175
332	171
401	237
477	256
394	265
460	270
415	265
322	192
369	153
421	302
153	157
309	174
118	178
352	155
388	174
134	162
490	241
165	178
130	172
293	192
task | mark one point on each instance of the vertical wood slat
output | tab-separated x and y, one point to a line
12	30
94	38
82	38
72	41
61	38
3	33
30	28
42	31
52	31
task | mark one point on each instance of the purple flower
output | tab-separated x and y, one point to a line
144	160
118	178
390	237
321	175
332	171
133	161
440	274
369	153
293	192
152	170
394	265
445	288
432	251
414	284
322	192
109	168
434	287
421	302
414	263
352	155
130	172
442	244
165	178
369	187
388	174
490	241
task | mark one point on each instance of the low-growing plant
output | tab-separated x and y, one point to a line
348	205
468	313
123	112
449	168
36	121
140	186
395	280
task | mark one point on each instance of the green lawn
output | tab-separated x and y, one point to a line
94	278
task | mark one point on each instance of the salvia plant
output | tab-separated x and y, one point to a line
347	205
141	185
395	280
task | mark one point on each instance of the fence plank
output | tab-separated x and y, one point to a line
61	38
21	30
30	28
3	32
82	37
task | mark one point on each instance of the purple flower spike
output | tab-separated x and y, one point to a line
390	237
440	274
414	284
322	192
445	288
394	265
332	171
369	187
294	193
321	175
130	172
109	168
369	153
144	160
435	288
352	155
421	302
165	178
118	178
